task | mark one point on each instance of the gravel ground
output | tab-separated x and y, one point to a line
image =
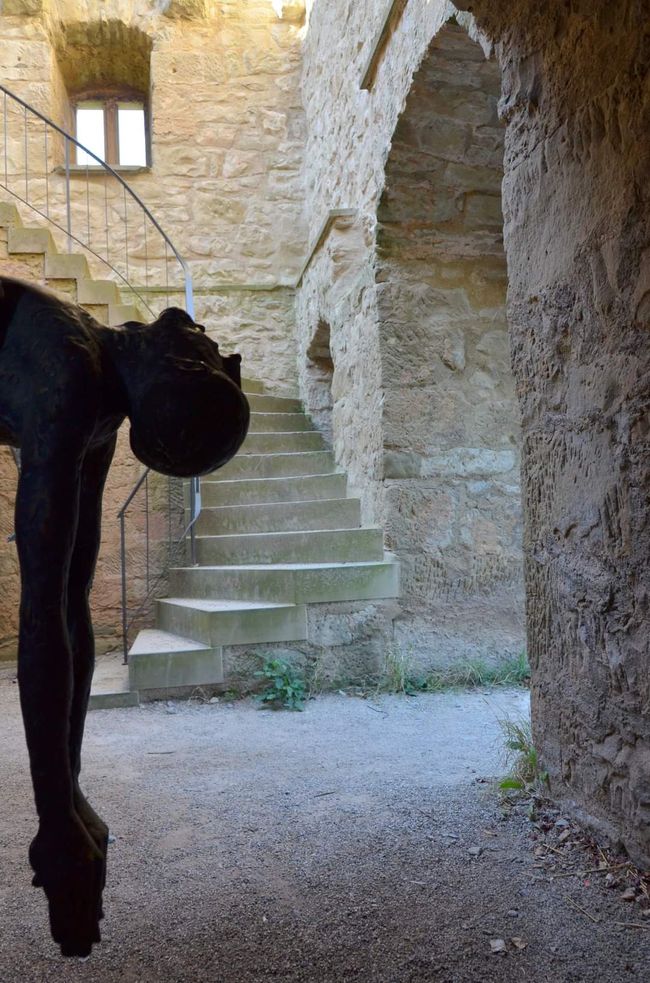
355	841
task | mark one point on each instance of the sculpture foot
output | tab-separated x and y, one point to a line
95	826
97	830
69	867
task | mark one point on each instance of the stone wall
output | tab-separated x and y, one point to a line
413	288
450	427
575	203
576	197
227	135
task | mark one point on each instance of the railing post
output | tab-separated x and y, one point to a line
189	295
146	524
68	211
195	509
125	643
5	142
26	161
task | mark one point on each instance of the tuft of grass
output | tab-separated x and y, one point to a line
524	773
469	674
477	673
286	689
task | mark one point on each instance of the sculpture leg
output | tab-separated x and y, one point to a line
63	855
80	630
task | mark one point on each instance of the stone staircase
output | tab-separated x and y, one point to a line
281	551
277	536
30	253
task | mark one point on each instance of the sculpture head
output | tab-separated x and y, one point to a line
187	411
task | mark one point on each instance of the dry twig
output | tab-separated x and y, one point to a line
574	904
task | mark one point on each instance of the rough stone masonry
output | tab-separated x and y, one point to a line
275	129
576	104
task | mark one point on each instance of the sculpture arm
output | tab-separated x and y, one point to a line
67	863
47	504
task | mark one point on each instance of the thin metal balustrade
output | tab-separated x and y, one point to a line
37	170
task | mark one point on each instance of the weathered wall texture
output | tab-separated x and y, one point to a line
576	102
424	416
349	131
449	418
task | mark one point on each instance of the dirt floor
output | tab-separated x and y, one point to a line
358	840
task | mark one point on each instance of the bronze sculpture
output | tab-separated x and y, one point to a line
66	384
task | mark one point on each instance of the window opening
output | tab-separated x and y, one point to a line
114	129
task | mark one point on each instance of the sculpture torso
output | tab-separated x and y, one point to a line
53	364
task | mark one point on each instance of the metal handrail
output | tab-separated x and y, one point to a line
74	235
67	229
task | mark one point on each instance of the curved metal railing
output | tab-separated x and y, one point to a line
36	168
106	218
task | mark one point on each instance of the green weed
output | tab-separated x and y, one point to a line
524	771
286	688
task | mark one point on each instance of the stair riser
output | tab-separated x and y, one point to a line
256	491
339	546
279	422
278	443
343	513
233	627
300	587
66	266
274	404
121	313
252	385
275	466
167	670
97	292
23	241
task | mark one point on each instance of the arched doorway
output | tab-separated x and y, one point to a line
451	493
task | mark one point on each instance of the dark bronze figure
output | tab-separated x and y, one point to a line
66	384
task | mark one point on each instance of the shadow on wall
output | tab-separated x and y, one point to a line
452	507
319	375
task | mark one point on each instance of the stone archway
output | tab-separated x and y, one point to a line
451	492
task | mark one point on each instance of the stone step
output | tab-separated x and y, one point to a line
66	266
254	491
9	214
252	385
222	622
24	239
276	465
337	513
98	292
98	311
260	403
120	313
324	546
279	422
110	686
297	583
160	660
279	443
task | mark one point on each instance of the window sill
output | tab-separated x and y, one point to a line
97	169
